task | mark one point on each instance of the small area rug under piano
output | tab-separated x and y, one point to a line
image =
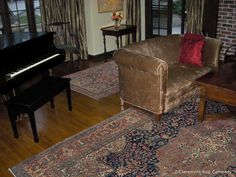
96	82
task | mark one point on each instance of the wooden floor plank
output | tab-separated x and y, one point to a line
54	125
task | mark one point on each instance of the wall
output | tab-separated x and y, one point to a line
226	27
94	22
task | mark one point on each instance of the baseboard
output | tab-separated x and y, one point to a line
102	56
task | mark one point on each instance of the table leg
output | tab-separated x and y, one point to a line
117	42
122	104
134	37
104	43
121	41
202	104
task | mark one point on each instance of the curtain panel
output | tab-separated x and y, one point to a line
133	16
71	11
194	20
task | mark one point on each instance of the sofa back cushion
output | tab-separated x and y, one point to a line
164	47
168	48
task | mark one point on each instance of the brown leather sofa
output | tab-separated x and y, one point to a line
152	78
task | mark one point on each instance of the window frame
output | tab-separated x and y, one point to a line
31	22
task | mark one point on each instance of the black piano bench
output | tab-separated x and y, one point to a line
34	97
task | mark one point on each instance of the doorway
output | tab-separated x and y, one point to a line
164	17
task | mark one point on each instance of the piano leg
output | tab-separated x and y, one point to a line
68	93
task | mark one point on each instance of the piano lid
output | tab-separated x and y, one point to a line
12	39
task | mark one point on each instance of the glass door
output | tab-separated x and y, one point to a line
161	18
164	17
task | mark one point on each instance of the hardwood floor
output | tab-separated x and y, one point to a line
54	125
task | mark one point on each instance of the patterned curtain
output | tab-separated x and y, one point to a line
71	11
133	16
194	19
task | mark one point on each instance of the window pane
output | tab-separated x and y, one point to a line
36	4
23	17
176	19
38	19
163	20
20	4
18	15
12	5
1	25
37	13
159	17
161	32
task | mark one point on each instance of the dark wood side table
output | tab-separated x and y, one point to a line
118	33
219	86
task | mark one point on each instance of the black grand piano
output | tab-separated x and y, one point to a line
24	55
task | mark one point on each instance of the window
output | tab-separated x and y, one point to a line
21	16
18	15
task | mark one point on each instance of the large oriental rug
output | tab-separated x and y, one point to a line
133	144
96	82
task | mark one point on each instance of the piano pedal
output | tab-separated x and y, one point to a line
49	72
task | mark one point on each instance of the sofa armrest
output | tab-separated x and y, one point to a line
142	80
141	62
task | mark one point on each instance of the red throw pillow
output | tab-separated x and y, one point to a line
191	49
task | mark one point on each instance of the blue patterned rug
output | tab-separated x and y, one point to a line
134	144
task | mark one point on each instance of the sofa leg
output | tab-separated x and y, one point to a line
121	104
157	116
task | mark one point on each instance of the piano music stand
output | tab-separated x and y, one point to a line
61	33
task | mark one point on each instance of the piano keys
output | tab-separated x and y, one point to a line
24	55
28	67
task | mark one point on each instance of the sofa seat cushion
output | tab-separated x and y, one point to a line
181	79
